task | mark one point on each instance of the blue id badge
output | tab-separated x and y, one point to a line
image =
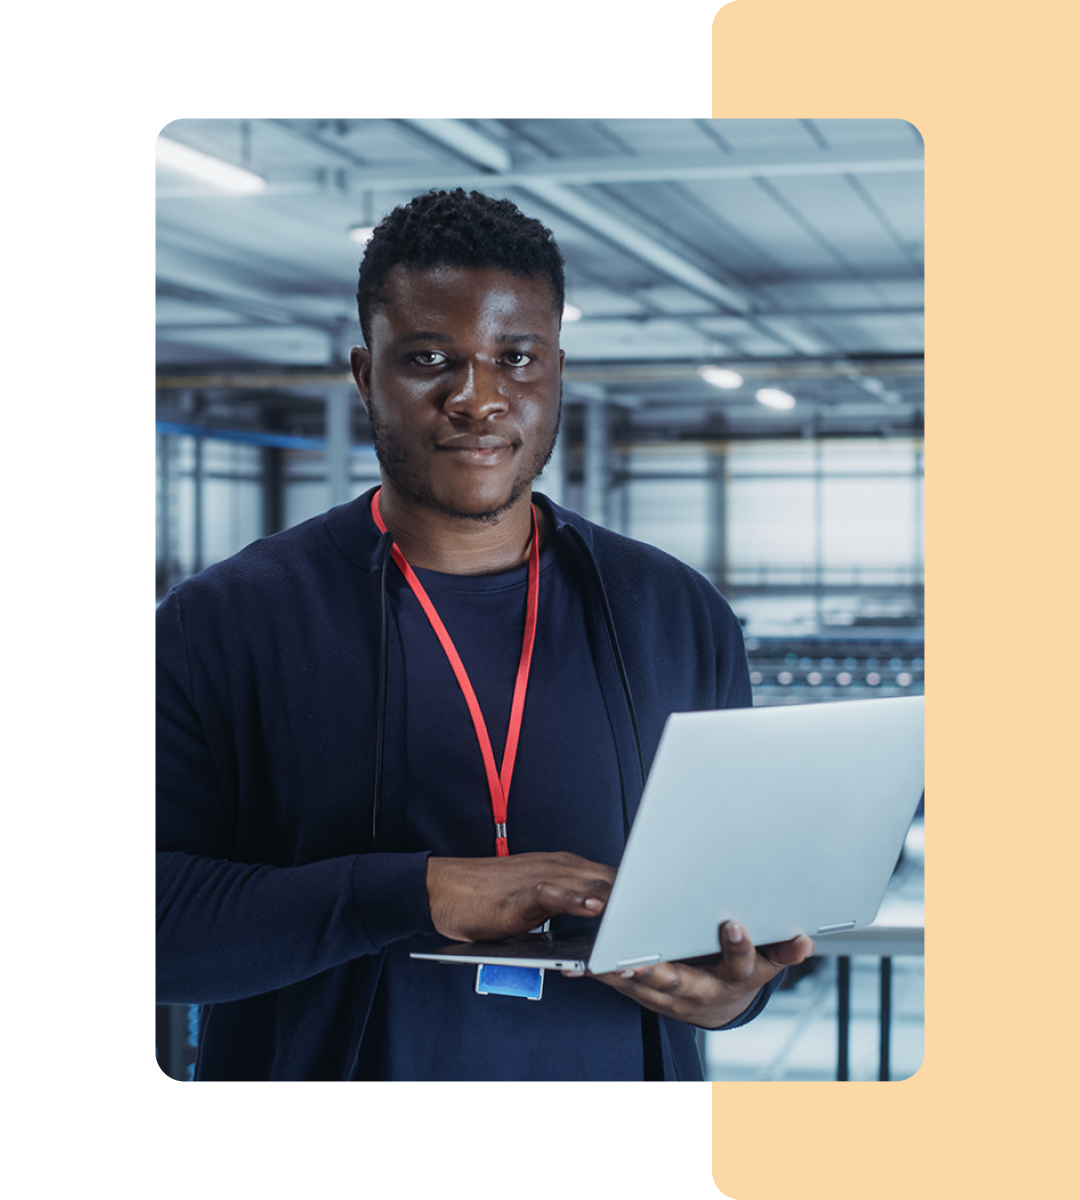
495	980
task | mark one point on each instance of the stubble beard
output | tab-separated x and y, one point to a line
394	460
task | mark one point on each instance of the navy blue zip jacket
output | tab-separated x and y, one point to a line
279	885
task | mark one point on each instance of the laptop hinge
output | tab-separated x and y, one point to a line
639	962
836	928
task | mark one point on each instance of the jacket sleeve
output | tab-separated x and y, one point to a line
732	668
227	929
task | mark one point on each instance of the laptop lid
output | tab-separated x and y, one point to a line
789	819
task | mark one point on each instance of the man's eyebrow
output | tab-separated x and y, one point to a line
424	335
525	337
507	339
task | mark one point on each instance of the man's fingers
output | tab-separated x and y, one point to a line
740	957
545	899
707	996
588	901
714	990
660	977
789	953
577	890
480	899
739	951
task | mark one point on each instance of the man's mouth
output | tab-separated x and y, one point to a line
472	441
476	446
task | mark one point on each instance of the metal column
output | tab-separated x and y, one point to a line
718	517
843	1014
886	1017
819	536
596	462
166	541
338	433
198	516
273	490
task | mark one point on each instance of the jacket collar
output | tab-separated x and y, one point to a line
356	536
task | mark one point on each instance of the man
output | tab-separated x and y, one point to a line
428	714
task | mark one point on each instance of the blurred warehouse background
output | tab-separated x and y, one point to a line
744	388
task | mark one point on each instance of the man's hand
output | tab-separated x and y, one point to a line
483	899
710	992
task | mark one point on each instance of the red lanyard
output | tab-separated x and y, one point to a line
498	781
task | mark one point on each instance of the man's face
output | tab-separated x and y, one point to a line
462	383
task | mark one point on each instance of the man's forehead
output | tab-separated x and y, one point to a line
409	286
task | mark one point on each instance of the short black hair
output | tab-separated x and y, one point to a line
457	229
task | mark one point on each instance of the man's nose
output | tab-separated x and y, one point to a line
476	393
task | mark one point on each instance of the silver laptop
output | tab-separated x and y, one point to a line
788	819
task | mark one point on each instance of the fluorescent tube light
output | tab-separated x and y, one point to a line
571	312
361	234
721	377
774	398
206	169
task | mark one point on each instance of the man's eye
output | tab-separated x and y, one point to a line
429	358
517	358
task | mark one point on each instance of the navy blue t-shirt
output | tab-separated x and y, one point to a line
427	1022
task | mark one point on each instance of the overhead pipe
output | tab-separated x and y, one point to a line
252	437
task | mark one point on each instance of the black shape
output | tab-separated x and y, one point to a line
843	1013
53	809
28	198
886	1017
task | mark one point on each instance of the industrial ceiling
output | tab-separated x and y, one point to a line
788	250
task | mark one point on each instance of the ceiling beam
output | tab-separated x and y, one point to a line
598	219
237	301
498	169
844	313
646	168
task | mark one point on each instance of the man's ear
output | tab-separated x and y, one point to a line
360	361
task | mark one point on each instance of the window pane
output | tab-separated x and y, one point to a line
869	522
770	523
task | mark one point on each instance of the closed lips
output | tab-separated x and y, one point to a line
471	442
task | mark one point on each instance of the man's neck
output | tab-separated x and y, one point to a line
438	541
